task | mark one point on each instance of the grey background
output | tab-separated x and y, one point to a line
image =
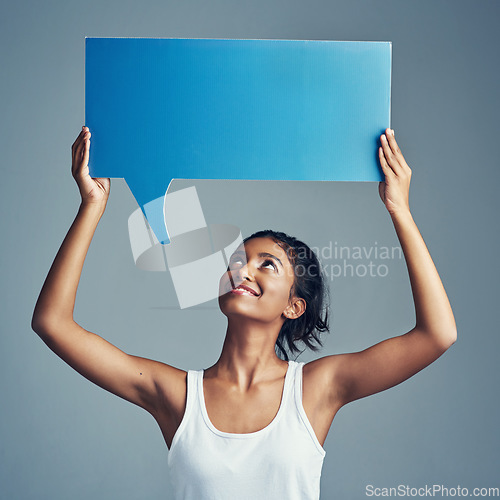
62	437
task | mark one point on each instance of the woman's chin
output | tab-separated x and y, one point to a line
231	307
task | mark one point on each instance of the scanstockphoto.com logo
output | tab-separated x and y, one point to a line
430	490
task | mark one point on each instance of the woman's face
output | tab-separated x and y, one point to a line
258	282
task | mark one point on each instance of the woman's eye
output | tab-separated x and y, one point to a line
237	262
233	263
267	263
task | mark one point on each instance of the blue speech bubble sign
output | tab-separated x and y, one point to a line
160	109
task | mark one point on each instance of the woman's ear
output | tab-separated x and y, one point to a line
295	309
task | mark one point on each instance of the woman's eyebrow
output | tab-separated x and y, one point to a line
265	254
261	254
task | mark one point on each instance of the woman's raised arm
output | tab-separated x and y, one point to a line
138	380
347	377
57	298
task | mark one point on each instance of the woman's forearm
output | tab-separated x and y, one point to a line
57	297
432	308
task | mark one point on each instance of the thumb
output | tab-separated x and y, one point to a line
381	190
86	149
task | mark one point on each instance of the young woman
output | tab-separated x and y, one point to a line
253	424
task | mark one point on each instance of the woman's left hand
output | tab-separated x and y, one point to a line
394	191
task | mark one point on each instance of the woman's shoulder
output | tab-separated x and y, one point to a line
319	376
171	384
323	367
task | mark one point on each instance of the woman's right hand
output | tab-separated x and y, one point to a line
92	189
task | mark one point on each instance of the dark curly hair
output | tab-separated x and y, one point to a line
309	285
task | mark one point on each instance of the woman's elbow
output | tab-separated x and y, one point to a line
42	325
454	337
442	339
449	338
36	324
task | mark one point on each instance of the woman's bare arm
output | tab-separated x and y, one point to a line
135	379
390	362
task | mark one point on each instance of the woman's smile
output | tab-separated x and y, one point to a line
245	290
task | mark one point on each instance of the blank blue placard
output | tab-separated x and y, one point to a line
160	109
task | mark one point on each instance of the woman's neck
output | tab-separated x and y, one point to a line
248	355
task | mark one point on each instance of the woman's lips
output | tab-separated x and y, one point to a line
244	290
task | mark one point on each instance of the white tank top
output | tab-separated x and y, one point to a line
280	461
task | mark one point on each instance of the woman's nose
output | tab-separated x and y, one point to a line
245	272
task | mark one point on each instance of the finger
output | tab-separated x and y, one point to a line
78	156
77	152
386	169
82	132
78	141
398	154
397	151
390	157
85	161
389	133
85	138
85	153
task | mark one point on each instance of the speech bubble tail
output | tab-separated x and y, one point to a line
153	211
151	202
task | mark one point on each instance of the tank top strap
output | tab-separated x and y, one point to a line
191	401
192	388
287	397
298	384
300	408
